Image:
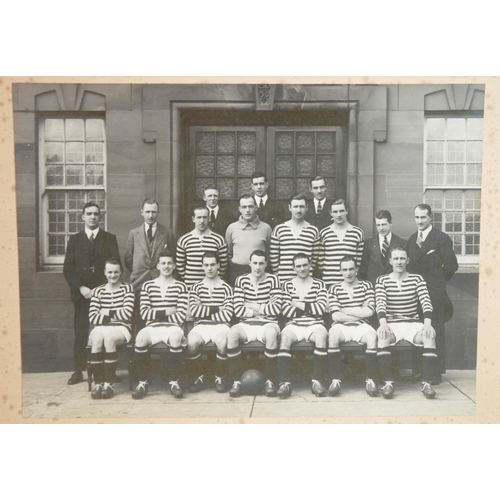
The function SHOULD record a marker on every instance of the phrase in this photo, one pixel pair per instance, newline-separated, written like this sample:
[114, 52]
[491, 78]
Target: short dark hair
[348, 258]
[113, 262]
[400, 248]
[210, 255]
[244, 196]
[258, 253]
[339, 201]
[384, 214]
[298, 197]
[201, 207]
[91, 204]
[150, 201]
[301, 255]
[258, 174]
[166, 253]
[424, 206]
[317, 178]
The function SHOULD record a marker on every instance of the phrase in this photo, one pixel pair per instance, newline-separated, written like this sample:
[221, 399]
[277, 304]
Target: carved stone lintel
[264, 96]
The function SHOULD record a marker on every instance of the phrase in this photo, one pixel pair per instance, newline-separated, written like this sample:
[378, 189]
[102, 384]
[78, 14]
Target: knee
[233, 338]
[175, 338]
[333, 338]
[96, 341]
[320, 338]
[142, 339]
[286, 340]
[371, 340]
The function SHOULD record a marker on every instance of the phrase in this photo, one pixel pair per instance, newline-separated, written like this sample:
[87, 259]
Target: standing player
[111, 308]
[257, 304]
[397, 296]
[293, 236]
[432, 256]
[339, 240]
[244, 236]
[352, 303]
[269, 211]
[163, 308]
[194, 244]
[211, 304]
[304, 303]
[83, 270]
[219, 217]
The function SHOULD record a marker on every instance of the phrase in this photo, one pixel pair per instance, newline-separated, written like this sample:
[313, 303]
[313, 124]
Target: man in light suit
[377, 250]
[319, 210]
[219, 217]
[83, 270]
[144, 245]
[432, 256]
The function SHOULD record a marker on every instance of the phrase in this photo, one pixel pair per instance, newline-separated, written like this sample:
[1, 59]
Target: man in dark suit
[377, 250]
[432, 256]
[144, 245]
[83, 269]
[219, 217]
[269, 211]
[319, 211]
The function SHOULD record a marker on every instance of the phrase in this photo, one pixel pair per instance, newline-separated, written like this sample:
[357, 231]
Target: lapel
[161, 234]
[427, 243]
[141, 238]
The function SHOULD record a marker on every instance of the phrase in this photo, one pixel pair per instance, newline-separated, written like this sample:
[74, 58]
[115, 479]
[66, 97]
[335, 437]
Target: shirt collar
[381, 238]
[216, 210]
[426, 232]
[264, 199]
[88, 232]
[254, 224]
[154, 226]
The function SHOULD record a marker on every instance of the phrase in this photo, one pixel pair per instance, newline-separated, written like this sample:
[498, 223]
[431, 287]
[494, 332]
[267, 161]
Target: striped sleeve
[272, 307]
[198, 310]
[369, 295]
[125, 311]
[180, 260]
[380, 298]
[316, 250]
[223, 257]
[424, 297]
[179, 316]
[120, 304]
[95, 307]
[225, 313]
[333, 301]
[240, 311]
[288, 310]
[319, 303]
[274, 250]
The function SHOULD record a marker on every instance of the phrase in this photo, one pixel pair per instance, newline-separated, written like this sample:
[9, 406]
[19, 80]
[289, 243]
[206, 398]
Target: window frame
[471, 261]
[46, 261]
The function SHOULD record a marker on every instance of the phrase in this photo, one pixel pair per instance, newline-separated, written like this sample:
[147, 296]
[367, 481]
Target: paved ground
[47, 395]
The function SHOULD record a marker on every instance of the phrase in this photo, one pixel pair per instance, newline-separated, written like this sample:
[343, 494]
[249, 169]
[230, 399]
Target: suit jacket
[435, 261]
[78, 270]
[224, 218]
[324, 219]
[139, 260]
[372, 264]
[273, 213]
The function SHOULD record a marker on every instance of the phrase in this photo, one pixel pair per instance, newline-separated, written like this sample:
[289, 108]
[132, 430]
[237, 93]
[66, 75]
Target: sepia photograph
[227, 251]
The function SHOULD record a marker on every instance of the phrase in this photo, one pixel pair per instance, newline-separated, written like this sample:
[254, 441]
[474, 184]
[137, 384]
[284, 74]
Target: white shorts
[107, 329]
[353, 333]
[159, 334]
[256, 332]
[405, 331]
[303, 332]
[209, 332]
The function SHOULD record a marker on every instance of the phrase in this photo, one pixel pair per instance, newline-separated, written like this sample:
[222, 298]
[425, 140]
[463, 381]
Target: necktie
[261, 204]
[91, 238]
[420, 238]
[385, 247]
[319, 208]
[212, 218]
[150, 233]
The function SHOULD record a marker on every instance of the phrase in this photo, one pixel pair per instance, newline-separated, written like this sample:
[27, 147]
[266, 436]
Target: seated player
[257, 303]
[396, 299]
[211, 305]
[111, 309]
[304, 302]
[163, 308]
[352, 303]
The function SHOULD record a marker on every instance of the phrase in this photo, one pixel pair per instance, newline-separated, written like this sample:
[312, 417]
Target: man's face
[150, 213]
[338, 213]
[399, 260]
[166, 266]
[200, 219]
[349, 271]
[422, 218]
[112, 272]
[210, 267]
[91, 217]
[298, 209]
[211, 197]
[259, 186]
[318, 189]
[258, 265]
[247, 209]
[383, 226]
[302, 267]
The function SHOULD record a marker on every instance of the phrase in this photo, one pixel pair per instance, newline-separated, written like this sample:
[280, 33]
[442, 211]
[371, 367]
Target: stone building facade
[379, 146]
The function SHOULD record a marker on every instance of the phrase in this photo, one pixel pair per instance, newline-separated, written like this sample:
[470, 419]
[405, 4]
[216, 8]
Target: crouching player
[397, 296]
[304, 302]
[163, 308]
[257, 303]
[111, 309]
[211, 305]
[351, 303]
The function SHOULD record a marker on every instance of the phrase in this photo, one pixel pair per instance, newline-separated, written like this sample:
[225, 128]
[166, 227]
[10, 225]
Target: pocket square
[430, 251]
